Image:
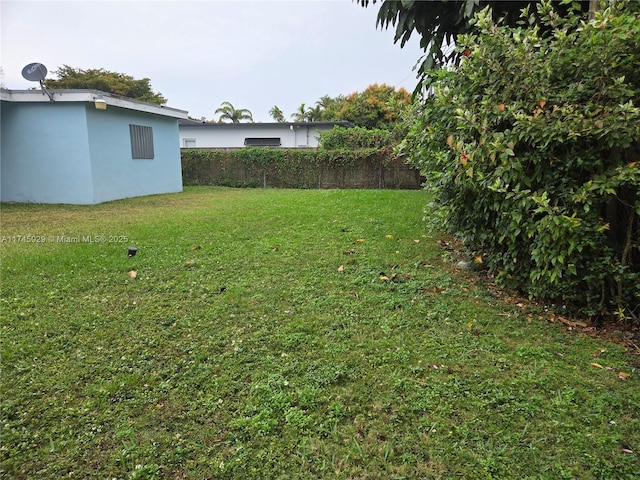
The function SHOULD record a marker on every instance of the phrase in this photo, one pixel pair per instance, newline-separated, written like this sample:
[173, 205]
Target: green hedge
[297, 168]
[531, 147]
[340, 138]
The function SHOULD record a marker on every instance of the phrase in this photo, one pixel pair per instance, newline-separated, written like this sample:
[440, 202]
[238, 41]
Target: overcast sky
[198, 54]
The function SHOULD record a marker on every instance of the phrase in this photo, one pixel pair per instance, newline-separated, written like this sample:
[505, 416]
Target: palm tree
[325, 101]
[314, 114]
[228, 112]
[277, 114]
[302, 114]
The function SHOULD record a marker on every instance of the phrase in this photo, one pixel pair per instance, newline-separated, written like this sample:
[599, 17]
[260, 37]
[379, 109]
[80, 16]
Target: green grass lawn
[288, 334]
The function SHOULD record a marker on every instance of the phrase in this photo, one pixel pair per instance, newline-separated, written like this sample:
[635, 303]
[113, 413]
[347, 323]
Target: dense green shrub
[353, 138]
[531, 147]
[346, 145]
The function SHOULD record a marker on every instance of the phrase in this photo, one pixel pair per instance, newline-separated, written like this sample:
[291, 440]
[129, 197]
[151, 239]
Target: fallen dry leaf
[627, 450]
[341, 268]
[597, 365]
[197, 247]
[623, 375]
[133, 273]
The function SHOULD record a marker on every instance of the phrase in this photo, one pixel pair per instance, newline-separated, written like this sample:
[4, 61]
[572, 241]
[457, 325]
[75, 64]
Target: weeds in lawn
[241, 349]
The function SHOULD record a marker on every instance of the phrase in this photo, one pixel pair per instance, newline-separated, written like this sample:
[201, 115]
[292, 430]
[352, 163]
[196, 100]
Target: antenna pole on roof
[44, 90]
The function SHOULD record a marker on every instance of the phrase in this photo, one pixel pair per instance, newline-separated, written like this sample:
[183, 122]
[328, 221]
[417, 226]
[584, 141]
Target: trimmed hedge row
[298, 168]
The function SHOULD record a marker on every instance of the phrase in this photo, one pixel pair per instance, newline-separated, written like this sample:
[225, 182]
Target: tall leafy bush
[530, 146]
[357, 137]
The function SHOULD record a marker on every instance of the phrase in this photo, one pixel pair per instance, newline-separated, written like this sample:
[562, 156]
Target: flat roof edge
[80, 95]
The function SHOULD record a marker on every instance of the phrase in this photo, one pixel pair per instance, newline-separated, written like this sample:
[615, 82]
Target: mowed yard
[288, 334]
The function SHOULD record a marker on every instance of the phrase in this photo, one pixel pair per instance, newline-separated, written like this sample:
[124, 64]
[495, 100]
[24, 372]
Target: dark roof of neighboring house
[196, 123]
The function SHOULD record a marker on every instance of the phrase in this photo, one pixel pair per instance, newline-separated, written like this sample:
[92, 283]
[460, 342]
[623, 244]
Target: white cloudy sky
[255, 54]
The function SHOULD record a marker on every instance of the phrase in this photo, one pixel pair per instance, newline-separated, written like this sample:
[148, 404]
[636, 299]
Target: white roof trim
[90, 96]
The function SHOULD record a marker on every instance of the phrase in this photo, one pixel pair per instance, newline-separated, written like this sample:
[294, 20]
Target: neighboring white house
[195, 134]
[86, 147]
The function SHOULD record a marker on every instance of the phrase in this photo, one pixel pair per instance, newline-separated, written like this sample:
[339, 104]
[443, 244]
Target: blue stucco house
[86, 147]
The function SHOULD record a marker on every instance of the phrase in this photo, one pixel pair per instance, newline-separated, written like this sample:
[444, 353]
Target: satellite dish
[34, 72]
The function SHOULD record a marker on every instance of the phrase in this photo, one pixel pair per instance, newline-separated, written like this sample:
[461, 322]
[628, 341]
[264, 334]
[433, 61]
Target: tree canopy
[105, 81]
[378, 106]
[438, 22]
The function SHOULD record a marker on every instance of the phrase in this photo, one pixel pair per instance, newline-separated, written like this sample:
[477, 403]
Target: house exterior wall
[233, 135]
[45, 154]
[70, 152]
[115, 174]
